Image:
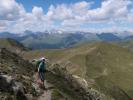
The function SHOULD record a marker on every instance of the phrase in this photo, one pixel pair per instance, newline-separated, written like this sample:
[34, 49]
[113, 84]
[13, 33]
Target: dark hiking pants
[42, 76]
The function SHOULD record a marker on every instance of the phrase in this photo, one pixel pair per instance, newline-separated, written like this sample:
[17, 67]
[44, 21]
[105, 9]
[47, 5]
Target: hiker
[41, 69]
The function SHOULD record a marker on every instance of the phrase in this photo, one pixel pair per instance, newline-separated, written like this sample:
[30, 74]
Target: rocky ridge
[17, 82]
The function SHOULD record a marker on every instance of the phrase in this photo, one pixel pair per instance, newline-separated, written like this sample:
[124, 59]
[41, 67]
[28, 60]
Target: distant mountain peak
[108, 37]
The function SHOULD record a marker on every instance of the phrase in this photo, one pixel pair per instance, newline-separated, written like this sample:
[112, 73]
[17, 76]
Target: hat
[42, 58]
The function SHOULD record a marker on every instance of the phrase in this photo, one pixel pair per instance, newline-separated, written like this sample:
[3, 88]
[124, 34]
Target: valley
[66, 49]
[105, 67]
[103, 64]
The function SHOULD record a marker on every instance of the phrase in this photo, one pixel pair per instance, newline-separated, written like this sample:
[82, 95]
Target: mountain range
[56, 39]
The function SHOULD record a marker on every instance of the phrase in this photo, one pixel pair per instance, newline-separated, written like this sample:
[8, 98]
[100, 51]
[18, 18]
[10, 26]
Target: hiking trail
[46, 94]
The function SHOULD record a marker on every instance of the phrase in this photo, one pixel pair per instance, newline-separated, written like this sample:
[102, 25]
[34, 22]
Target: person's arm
[45, 65]
[39, 66]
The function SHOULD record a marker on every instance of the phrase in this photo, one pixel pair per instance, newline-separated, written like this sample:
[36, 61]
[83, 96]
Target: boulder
[81, 82]
[6, 83]
[9, 85]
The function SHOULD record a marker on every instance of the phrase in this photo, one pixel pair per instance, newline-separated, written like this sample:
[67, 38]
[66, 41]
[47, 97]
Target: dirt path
[46, 95]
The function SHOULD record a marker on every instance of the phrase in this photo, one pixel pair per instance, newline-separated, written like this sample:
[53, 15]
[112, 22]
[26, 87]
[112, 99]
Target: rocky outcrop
[15, 76]
[17, 81]
[9, 85]
[78, 85]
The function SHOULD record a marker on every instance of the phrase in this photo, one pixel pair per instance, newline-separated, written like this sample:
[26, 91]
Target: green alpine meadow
[66, 49]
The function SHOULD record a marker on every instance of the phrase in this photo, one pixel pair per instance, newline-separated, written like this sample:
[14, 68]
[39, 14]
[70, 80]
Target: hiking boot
[44, 88]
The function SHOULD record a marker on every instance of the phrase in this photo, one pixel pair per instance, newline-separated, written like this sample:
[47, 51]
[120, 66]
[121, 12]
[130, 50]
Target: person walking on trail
[41, 69]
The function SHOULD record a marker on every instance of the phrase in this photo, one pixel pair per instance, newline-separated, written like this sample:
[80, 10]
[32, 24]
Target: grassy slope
[111, 67]
[22, 71]
[11, 44]
[126, 44]
[63, 56]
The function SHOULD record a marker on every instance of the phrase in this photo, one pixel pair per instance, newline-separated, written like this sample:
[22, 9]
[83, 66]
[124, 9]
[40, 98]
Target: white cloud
[110, 9]
[130, 15]
[38, 12]
[32, 21]
[14, 18]
[10, 10]
[60, 12]
[65, 12]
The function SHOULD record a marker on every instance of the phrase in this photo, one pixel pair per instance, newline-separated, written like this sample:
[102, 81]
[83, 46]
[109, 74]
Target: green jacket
[41, 65]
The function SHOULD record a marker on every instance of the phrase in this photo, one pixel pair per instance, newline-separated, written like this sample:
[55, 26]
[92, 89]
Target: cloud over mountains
[111, 15]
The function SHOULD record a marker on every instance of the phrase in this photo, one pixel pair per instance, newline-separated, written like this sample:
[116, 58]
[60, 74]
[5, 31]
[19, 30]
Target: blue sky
[66, 15]
[29, 4]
